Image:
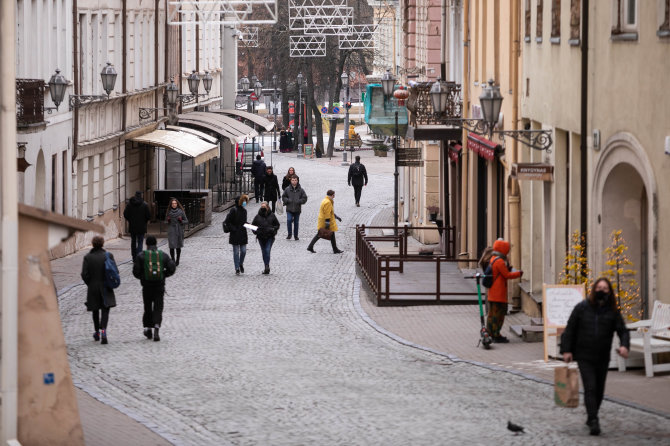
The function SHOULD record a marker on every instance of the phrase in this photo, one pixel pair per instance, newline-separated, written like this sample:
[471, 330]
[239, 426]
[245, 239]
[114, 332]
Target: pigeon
[515, 428]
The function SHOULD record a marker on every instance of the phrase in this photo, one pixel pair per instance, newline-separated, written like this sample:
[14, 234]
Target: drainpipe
[466, 106]
[76, 87]
[443, 44]
[583, 120]
[156, 58]
[10, 224]
[514, 197]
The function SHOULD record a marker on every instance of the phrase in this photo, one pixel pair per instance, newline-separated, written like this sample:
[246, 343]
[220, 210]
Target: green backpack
[153, 266]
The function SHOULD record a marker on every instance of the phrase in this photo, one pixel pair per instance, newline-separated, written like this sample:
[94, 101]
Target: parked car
[246, 153]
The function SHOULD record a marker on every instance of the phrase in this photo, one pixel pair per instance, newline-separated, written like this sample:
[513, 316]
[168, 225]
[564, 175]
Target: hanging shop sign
[409, 157]
[454, 151]
[482, 146]
[533, 171]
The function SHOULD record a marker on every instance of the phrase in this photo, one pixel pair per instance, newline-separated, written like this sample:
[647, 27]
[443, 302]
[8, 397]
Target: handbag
[566, 386]
[279, 207]
[325, 234]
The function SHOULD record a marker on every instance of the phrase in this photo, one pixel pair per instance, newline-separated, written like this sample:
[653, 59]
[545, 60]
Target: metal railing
[193, 207]
[29, 101]
[235, 183]
[377, 267]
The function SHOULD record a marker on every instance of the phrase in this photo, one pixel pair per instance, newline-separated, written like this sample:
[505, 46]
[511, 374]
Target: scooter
[485, 338]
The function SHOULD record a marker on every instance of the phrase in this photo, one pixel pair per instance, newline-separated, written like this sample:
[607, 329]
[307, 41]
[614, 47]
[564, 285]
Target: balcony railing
[421, 107]
[29, 101]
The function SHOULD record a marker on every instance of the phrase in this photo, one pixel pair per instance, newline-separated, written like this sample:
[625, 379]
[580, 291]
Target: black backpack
[488, 274]
[356, 170]
[112, 278]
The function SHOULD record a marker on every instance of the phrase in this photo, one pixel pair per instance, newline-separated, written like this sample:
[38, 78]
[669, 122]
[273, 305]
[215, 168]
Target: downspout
[10, 224]
[443, 45]
[124, 13]
[514, 197]
[583, 119]
[75, 76]
[156, 59]
[443, 146]
[465, 108]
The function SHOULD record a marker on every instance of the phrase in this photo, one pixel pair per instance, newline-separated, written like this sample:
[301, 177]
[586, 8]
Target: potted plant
[380, 150]
[432, 210]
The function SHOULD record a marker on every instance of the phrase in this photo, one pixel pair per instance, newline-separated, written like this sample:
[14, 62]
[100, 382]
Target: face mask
[244, 204]
[263, 211]
[601, 296]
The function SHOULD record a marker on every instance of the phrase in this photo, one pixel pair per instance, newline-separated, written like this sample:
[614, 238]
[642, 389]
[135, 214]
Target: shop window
[575, 21]
[538, 25]
[624, 20]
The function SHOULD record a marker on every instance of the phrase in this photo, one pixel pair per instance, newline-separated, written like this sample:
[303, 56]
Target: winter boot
[148, 333]
[156, 336]
[103, 336]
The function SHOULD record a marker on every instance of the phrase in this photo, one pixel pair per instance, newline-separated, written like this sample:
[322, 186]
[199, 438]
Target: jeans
[239, 252]
[136, 241]
[593, 378]
[266, 247]
[153, 306]
[357, 193]
[259, 188]
[292, 222]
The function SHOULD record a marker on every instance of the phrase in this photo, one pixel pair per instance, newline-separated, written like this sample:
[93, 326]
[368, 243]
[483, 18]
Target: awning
[182, 143]
[454, 151]
[258, 120]
[198, 133]
[482, 146]
[223, 125]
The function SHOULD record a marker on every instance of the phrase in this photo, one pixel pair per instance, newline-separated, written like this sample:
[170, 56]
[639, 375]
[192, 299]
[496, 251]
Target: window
[555, 21]
[664, 29]
[625, 19]
[575, 21]
[538, 27]
[527, 18]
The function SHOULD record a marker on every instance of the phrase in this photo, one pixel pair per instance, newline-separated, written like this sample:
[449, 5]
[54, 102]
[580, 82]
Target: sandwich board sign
[558, 302]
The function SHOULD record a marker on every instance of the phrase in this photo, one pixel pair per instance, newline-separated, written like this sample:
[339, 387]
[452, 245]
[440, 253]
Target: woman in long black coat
[234, 222]
[176, 219]
[99, 298]
[272, 191]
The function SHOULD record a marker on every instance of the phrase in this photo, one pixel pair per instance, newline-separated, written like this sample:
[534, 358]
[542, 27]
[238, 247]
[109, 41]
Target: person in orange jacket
[497, 297]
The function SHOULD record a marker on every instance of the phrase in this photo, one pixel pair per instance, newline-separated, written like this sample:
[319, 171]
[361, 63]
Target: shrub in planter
[380, 149]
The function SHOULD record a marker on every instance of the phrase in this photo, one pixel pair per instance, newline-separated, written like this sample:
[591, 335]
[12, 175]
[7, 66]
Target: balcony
[29, 102]
[424, 123]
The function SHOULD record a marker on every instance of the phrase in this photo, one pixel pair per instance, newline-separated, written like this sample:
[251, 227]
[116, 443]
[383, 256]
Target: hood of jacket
[136, 201]
[501, 246]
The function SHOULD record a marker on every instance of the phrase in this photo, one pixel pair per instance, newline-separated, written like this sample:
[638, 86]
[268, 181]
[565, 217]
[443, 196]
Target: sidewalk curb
[356, 297]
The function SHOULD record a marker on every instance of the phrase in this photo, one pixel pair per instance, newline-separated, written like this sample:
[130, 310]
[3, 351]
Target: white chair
[655, 338]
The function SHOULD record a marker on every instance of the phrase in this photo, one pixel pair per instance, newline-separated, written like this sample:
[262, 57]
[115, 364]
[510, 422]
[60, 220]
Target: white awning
[198, 133]
[182, 143]
[225, 126]
[258, 120]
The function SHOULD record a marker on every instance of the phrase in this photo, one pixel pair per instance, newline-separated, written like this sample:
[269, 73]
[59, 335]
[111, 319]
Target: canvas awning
[223, 125]
[266, 124]
[182, 143]
[198, 133]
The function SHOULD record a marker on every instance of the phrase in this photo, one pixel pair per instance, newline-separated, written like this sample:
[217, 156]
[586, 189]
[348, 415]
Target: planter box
[382, 153]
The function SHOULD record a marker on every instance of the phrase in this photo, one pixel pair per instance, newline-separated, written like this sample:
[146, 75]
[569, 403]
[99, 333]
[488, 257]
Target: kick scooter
[485, 338]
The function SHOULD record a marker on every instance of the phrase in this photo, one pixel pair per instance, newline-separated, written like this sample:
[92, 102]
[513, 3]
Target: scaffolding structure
[307, 46]
[222, 12]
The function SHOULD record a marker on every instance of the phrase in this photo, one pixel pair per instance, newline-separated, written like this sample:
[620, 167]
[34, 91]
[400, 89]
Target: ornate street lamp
[275, 79]
[172, 93]
[244, 84]
[258, 89]
[491, 102]
[300, 138]
[207, 82]
[388, 83]
[439, 95]
[108, 77]
[193, 82]
[57, 86]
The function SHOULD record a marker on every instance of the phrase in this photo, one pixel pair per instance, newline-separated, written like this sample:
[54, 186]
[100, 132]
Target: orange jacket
[498, 291]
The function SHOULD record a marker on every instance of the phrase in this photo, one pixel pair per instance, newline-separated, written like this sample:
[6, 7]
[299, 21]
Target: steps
[529, 333]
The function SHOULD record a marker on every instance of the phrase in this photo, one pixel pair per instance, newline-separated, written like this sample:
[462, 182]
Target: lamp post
[274, 113]
[345, 84]
[258, 91]
[58, 85]
[299, 109]
[388, 85]
[244, 85]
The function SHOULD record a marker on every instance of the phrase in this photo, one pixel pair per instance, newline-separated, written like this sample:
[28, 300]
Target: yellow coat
[326, 211]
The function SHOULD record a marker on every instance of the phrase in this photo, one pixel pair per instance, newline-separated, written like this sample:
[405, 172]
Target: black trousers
[100, 324]
[136, 241]
[316, 239]
[593, 379]
[259, 188]
[357, 193]
[153, 306]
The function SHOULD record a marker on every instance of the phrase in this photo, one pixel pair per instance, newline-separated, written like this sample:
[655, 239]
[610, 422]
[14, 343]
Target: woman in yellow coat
[326, 220]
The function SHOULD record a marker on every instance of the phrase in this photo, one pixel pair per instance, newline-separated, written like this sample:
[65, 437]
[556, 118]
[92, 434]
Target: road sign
[324, 109]
[253, 97]
[336, 110]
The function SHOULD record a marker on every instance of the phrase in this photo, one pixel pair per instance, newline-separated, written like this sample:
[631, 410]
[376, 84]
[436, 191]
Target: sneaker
[96, 336]
[289, 237]
[594, 427]
[103, 337]
[156, 336]
[310, 249]
[501, 340]
[358, 205]
[339, 251]
[296, 238]
[266, 270]
[237, 272]
[148, 333]
[242, 269]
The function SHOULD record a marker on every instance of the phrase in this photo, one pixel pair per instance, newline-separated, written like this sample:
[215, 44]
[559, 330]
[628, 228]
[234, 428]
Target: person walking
[258, 171]
[137, 214]
[588, 340]
[267, 227]
[293, 197]
[326, 220]
[152, 266]
[284, 145]
[99, 298]
[272, 191]
[358, 177]
[497, 296]
[286, 181]
[234, 223]
[176, 219]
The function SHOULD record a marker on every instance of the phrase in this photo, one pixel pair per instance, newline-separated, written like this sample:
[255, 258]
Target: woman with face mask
[268, 225]
[588, 340]
[234, 222]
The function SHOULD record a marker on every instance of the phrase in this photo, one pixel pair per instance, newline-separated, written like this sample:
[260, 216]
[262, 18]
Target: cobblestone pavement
[286, 359]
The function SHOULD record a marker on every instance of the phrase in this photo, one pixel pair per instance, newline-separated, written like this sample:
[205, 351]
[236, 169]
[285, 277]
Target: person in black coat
[137, 214]
[258, 172]
[234, 223]
[284, 145]
[272, 191]
[588, 340]
[153, 290]
[358, 177]
[268, 225]
[99, 298]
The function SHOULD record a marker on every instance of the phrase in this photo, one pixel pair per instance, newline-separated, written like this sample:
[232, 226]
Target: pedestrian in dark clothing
[137, 213]
[235, 221]
[176, 219]
[99, 298]
[326, 220]
[286, 181]
[290, 140]
[272, 191]
[268, 225]
[293, 197]
[152, 267]
[588, 340]
[284, 145]
[258, 171]
[358, 177]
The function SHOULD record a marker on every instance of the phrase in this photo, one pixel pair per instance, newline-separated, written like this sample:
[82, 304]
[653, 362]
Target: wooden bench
[654, 338]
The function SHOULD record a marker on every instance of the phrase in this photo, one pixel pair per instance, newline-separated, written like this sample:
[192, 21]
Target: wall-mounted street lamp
[172, 96]
[108, 77]
[388, 85]
[57, 86]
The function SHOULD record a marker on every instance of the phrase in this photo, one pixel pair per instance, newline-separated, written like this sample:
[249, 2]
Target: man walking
[293, 197]
[326, 224]
[152, 267]
[137, 214]
[358, 176]
[258, 171]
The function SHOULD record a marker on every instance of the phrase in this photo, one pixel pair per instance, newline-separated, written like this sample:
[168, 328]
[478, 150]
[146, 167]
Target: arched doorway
[40, 180]
[623, 197]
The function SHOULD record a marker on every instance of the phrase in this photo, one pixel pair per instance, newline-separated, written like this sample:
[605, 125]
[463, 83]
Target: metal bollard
[344, 158]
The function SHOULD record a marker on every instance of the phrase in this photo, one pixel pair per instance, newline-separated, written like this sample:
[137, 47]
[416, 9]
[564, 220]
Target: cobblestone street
[287, 359]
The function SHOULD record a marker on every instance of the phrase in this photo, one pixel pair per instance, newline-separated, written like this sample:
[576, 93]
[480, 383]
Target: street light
[301, 140]
[388, 85]
[244, 84]
[57, 86]
[274, 112]
[172, 93]
[193, 82]
[108, 78]
[439, 94]
[345, 84]
[207, 81]
[258, 91]
[491, 102]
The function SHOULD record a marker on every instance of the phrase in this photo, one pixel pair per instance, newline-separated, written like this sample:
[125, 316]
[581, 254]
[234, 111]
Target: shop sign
[454, 151]
[482, 146]
[533, 171]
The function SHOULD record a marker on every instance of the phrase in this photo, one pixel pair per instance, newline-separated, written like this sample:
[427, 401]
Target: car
[246, 152]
